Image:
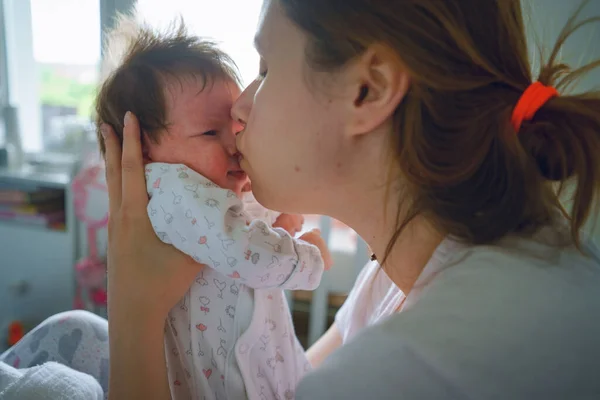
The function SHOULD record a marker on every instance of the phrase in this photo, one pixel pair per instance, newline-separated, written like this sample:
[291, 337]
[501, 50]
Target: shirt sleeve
[209, 224]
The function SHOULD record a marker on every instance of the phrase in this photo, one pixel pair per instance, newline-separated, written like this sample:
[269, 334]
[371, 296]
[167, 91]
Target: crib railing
[339, 279]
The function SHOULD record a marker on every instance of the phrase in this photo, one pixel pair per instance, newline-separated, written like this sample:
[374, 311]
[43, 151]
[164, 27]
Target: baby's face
[201, 131]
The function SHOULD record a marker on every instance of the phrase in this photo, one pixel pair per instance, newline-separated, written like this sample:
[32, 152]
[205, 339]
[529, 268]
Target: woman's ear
[379, 83]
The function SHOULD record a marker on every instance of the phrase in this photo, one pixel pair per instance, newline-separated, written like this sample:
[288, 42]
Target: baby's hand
[292, 223]
[314, 237]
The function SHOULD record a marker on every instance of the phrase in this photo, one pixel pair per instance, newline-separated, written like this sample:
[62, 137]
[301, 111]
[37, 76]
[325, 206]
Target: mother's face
[293, 139]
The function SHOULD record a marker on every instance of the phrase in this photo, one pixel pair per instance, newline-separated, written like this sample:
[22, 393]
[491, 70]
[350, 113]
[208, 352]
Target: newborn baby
[231, 336]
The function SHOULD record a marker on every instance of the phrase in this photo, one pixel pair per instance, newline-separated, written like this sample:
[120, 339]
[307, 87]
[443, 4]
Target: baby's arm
[208, 223]
[292, 223]
[255, 210]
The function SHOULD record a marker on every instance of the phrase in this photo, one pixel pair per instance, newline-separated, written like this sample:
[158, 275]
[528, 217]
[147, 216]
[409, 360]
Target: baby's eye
[210, 133]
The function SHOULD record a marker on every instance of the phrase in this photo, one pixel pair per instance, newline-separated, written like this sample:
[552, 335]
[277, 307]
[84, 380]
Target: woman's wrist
[137, 356]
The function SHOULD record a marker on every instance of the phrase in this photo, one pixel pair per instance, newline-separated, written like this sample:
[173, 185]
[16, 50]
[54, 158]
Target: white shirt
[375, 297]
[232, 336]
[515, 320]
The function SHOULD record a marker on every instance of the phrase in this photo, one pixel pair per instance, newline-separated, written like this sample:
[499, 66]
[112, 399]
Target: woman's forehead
[273, 28]
[261, 38]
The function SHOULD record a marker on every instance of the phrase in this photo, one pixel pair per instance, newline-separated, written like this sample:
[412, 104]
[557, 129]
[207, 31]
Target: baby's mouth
[237, 174]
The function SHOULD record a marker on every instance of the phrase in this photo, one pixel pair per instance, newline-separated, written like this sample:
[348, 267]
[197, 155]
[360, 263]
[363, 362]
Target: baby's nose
[238, 126]
[237, 156]
[231, 146]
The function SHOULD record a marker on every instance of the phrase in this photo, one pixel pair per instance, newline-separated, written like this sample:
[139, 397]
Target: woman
[416, 123]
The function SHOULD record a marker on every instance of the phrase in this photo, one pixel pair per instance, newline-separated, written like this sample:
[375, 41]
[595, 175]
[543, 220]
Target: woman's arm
[137, 357]
[327, 344]
[146, 277]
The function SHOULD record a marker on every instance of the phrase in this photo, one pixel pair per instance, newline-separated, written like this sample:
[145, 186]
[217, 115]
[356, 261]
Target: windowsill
[52, 159]
[49, 172]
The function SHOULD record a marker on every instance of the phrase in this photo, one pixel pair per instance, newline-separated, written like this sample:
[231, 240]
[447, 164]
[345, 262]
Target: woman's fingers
[135, 196]
[113, 167]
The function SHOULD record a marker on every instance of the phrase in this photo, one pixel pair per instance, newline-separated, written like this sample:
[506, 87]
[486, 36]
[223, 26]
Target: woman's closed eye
[262, 74]
[210, 133]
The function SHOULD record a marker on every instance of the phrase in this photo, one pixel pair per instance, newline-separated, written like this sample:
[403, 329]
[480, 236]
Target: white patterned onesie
[232, 336]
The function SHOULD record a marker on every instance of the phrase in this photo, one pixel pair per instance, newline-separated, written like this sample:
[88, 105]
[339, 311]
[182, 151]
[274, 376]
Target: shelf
[33, 227]
[34, 253]
[33, 176]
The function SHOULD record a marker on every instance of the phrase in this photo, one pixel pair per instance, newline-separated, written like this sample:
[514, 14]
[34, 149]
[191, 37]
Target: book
[35, 197]
[40, 208]
[34, 219]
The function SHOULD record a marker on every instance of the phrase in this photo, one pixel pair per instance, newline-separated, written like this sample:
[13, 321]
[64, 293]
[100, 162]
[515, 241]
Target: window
[66, 50]
[54, 49]
[232, 23]
[3, 66]
[53, 52]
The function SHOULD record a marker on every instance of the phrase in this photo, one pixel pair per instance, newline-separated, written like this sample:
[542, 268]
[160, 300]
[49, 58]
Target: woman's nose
[243, 105]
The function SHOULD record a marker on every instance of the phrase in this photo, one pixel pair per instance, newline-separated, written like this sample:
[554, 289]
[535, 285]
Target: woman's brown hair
[468, 171]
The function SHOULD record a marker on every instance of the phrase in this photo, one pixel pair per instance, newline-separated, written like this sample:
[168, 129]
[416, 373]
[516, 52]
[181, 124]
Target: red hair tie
[532, 99]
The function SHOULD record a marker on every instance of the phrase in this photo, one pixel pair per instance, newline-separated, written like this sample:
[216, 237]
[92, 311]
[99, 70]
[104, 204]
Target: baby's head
[181, 88]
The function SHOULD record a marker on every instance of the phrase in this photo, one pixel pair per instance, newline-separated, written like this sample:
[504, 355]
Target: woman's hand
[146, 277]
[144, 273]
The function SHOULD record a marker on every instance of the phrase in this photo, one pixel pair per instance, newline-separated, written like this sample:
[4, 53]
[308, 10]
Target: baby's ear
[146, 157]
[145, 149]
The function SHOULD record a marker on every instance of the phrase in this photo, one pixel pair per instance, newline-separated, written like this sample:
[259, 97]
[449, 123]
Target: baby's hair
[139, 60]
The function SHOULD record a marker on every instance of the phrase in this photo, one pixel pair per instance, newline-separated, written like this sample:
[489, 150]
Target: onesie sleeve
[209, 224]
[255, 210]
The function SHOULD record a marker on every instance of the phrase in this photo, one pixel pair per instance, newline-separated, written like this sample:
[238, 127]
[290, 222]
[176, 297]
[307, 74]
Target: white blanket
[47, 381]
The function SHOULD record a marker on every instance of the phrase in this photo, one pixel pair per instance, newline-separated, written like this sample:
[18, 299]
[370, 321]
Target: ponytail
[563, 138]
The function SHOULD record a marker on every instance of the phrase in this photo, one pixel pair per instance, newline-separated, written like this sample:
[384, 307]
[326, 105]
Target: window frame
[4, 85]
[18, 68]
[21, 70]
